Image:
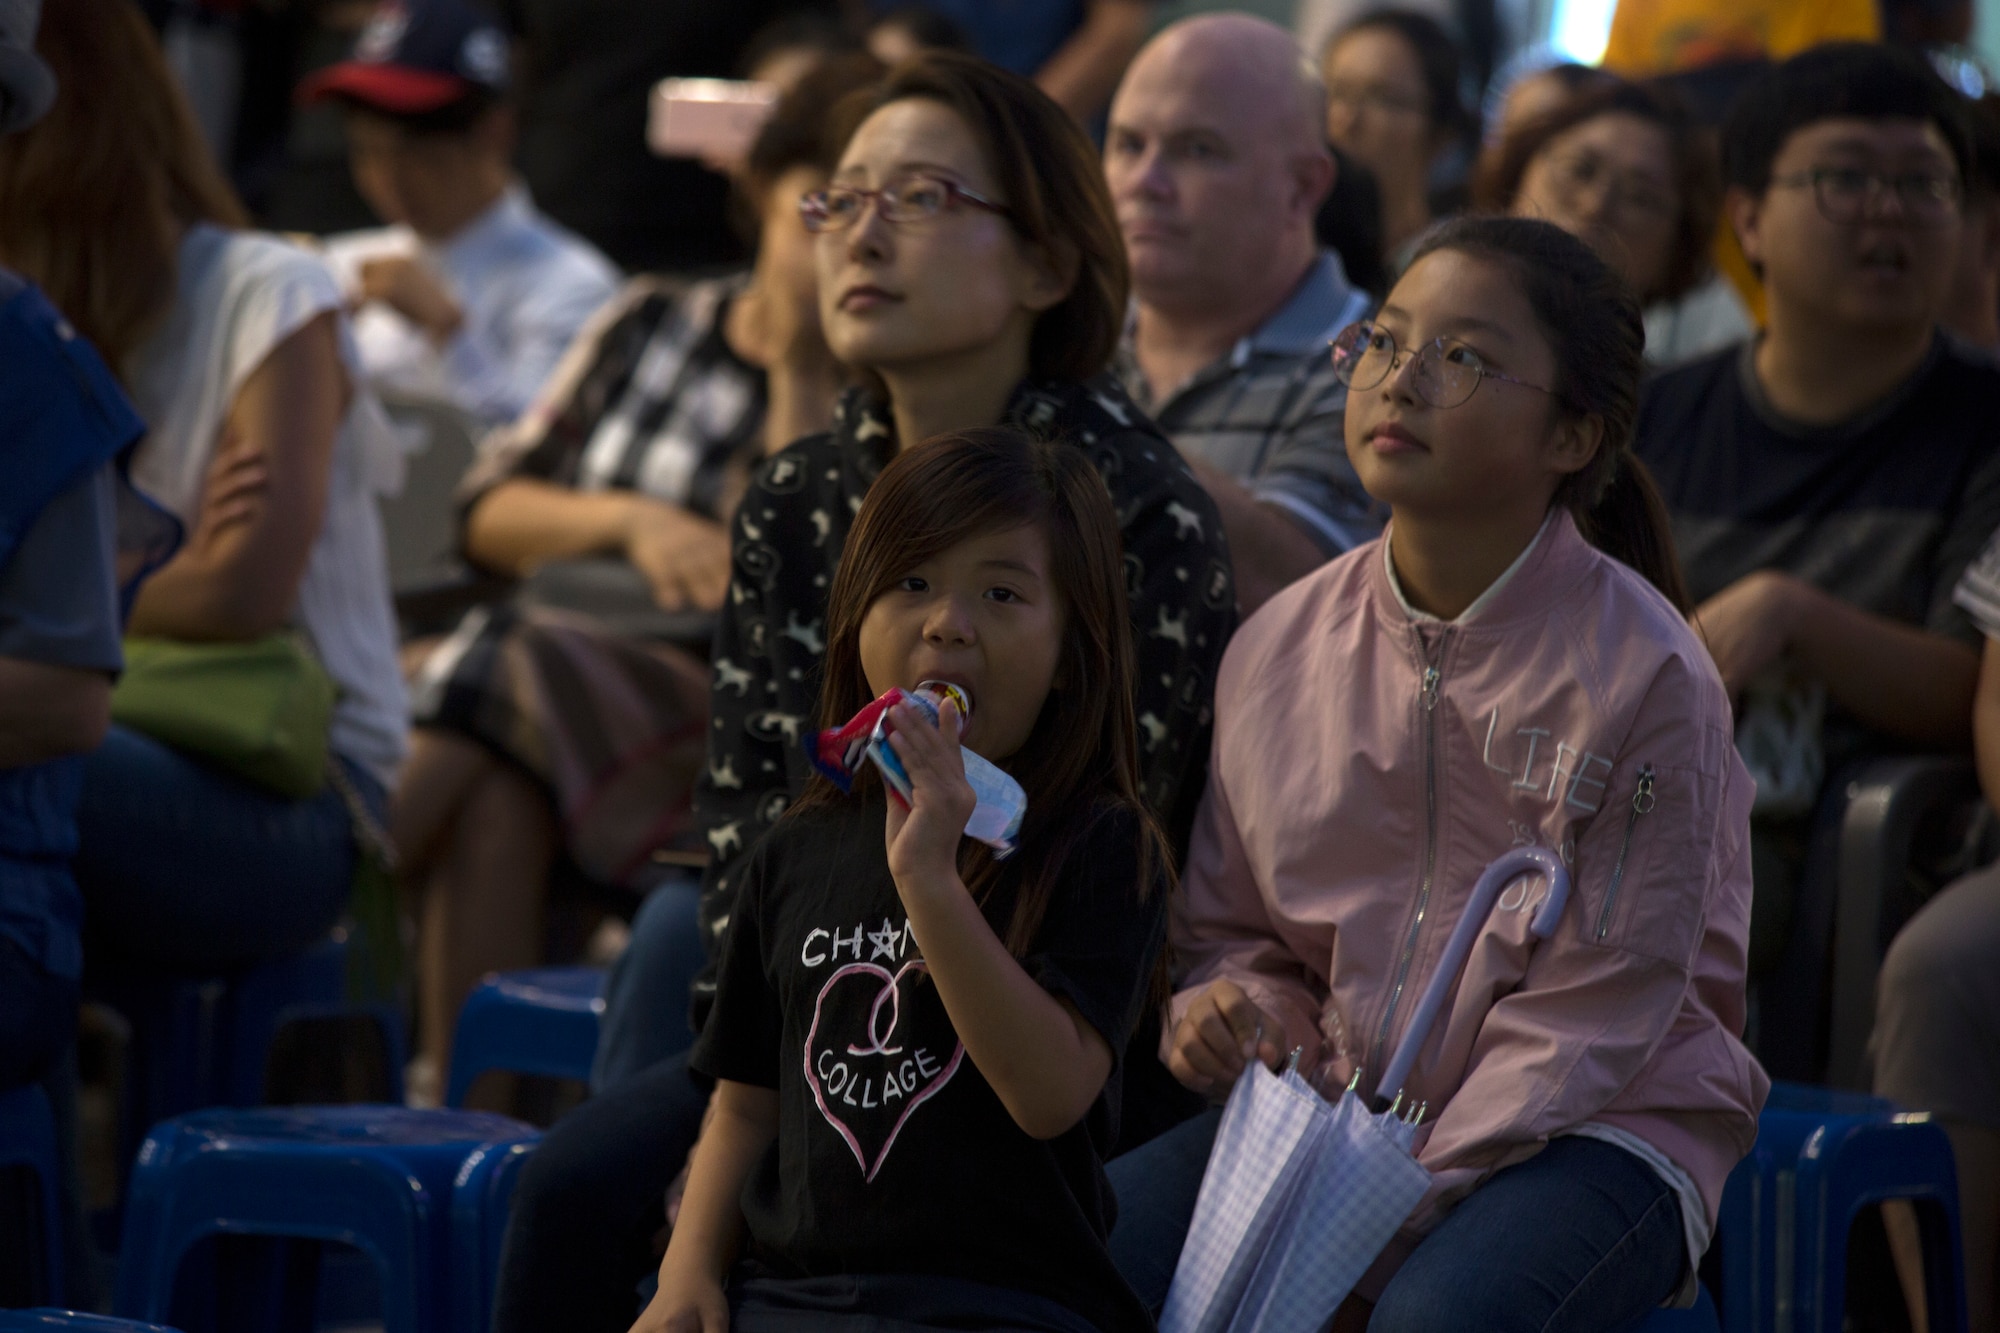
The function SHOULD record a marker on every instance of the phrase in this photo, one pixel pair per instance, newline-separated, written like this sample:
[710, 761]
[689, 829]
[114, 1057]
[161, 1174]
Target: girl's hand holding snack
[923, 840]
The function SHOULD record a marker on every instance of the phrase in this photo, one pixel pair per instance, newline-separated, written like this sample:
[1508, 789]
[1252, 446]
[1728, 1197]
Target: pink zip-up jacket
[1367, 767]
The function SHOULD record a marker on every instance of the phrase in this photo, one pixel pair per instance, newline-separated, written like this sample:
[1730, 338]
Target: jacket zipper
[1642, 804]
[1432, 679]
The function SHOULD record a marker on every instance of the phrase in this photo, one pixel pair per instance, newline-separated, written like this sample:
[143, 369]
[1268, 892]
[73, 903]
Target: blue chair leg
[1849, 1165]
[482, 1197]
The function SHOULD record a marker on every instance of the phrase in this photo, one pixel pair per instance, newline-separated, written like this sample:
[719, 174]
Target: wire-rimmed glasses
[1573, 173]
[912, 198]
[1846, 194]
[1444, 372]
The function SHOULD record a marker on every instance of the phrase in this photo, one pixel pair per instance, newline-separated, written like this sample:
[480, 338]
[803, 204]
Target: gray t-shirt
[59, 595]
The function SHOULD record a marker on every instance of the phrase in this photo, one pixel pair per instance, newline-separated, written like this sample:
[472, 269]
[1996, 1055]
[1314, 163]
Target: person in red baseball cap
[469, 296]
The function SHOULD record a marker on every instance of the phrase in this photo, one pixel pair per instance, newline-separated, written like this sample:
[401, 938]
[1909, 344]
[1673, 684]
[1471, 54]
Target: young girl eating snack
[914, 1042]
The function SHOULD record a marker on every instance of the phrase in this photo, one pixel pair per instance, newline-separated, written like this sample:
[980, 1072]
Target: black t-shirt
[587, 69]
[894, 1155]
[1884, 511]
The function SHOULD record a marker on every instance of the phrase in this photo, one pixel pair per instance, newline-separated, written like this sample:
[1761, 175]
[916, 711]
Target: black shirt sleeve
[1183, 603]
[745, 1031]
[1103, 930]
[766, 666]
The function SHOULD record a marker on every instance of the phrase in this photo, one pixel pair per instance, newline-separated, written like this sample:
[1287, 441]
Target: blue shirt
[63, 422]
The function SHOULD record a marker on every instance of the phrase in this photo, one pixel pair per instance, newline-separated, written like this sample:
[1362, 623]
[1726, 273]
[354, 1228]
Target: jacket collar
[1531, 587]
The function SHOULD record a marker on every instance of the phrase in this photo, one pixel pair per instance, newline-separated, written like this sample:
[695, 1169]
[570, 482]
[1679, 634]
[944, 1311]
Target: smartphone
[715, 120]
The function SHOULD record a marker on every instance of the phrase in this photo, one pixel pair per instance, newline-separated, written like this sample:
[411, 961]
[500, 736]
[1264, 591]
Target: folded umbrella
[1300, 1197]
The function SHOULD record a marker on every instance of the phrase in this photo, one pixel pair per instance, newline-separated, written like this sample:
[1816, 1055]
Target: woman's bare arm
[238, 576]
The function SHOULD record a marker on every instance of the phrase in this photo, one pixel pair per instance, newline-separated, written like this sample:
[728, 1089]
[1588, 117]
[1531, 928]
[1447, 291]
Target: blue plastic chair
[206, 1041]
[1820, 1158]
[41, 1321]
[28, 1138]
[416, 1191]
[543, 1021]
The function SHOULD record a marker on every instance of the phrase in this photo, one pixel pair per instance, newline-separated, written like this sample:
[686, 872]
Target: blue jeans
[590, 1199]
[646, 996]
[185, 866]
[1582, 1237]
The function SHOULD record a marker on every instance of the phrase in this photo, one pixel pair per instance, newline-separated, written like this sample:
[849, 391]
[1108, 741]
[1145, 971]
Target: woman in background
[1625, 168]
[547, 731]
[1393, 104]
[235, 351]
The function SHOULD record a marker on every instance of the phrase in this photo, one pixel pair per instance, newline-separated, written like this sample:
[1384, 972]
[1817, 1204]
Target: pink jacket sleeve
[1225, 932]
[1601, 999]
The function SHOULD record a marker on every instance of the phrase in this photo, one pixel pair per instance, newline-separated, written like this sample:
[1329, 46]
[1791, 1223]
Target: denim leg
[590, 1198]
[1156, 1184]
[38, 1044]
[646, 996]
[1583, 1237]
[186, 866]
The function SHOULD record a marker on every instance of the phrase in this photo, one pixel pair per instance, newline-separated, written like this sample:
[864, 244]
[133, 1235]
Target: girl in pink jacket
[1508, 664]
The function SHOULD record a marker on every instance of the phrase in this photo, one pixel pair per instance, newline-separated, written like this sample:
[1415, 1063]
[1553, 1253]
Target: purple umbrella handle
[1506, 868]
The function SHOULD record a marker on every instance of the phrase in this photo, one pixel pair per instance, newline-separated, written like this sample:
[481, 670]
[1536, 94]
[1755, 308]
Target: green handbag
[259, 709]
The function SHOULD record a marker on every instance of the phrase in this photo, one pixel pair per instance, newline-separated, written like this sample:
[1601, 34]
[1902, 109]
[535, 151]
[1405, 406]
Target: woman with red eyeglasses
[971, 273]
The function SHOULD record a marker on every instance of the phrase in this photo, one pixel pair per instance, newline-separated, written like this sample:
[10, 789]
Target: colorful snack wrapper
[837, 753]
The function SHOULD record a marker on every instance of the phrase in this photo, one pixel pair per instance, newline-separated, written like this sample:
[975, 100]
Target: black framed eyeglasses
[1444, 372]
[1846, 194]
[907, 199]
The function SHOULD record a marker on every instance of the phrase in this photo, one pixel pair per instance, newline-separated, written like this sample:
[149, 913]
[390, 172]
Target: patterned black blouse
[788, 535]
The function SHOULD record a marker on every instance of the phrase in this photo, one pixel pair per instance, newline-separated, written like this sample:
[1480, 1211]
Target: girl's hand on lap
[923, 840]
[1222, 1031]
[685, 1304]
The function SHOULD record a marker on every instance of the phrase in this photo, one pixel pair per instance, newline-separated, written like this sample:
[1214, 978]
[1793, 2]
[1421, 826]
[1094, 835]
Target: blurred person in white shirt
[470, 295]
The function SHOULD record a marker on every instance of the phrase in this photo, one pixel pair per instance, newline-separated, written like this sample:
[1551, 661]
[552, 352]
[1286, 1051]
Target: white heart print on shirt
[869, 1076]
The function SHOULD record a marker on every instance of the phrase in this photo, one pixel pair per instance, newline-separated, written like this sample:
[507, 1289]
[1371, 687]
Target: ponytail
[1629, 524]
[1592, 324]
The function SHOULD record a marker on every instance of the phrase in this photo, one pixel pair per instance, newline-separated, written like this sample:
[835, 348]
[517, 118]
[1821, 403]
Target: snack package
[1000, 802]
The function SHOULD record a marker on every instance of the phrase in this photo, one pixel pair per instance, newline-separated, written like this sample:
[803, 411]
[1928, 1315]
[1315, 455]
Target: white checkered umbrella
[1300, 1197]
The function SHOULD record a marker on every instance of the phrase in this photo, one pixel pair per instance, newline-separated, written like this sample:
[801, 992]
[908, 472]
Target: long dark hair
[1082, 758]
[1591, 322]
[1052, 180]
[1697, 178]
[94, 197]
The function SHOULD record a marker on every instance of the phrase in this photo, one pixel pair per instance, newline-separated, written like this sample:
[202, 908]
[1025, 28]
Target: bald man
[1217, 166]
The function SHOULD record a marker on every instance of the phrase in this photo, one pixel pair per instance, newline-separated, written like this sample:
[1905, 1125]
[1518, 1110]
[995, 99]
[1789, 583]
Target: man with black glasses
[1831, 479]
